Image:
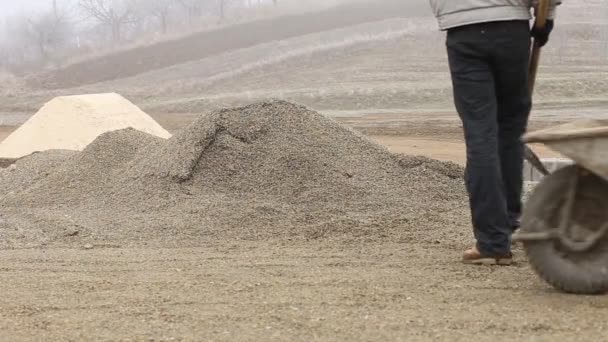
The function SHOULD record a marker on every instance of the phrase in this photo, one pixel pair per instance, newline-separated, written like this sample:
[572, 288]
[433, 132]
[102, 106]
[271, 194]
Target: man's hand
[541, 36]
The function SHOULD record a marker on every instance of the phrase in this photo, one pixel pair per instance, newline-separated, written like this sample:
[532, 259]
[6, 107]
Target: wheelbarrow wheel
[569, 271]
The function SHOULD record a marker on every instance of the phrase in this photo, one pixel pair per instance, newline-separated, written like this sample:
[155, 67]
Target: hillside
[204, 44]
[356, 58]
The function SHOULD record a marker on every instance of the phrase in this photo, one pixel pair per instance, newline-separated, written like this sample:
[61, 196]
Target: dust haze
[38, 34]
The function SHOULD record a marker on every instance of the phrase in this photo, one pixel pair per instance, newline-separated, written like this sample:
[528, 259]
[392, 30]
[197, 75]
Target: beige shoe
[474, 257]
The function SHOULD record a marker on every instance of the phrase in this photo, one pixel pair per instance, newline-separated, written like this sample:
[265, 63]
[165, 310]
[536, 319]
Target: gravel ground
[283, 291]
[268, 222]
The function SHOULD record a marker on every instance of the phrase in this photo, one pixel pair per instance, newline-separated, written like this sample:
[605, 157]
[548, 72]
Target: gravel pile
[266, 171]
[26, 171]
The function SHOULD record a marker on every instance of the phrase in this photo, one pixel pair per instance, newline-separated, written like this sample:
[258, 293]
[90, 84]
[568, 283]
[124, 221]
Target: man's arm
[541, 35]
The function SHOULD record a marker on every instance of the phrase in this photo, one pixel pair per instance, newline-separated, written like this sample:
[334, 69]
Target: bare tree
[222, 7]
[604, 38]
[221, 4]
[199, 7]
[36, 39]
[49, 32]
[194, 8]
[115, 14]
[159, 10]
[55, 9]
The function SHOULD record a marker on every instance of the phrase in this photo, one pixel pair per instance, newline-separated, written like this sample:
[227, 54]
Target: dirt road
[446, 150]
[281, 291]
[5, 131]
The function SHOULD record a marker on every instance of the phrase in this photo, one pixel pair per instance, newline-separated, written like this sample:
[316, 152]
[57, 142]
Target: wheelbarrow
[564, 226]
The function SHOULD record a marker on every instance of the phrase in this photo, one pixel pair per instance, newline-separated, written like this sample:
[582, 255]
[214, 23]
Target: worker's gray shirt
[455, 13]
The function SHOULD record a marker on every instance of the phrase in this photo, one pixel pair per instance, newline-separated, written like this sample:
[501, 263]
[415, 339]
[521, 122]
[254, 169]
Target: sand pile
[73, 122]
[266, 171]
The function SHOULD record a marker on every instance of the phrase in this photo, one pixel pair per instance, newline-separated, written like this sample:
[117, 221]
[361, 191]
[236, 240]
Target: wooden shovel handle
[542, 14]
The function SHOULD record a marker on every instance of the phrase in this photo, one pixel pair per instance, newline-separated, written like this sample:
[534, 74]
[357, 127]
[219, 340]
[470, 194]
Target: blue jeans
[489, 69]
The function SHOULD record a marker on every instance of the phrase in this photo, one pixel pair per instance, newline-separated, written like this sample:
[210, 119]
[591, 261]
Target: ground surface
[229, 290]
[287, 290]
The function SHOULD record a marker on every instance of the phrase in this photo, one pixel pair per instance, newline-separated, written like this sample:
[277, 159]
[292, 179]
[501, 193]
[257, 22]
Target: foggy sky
[14, 7]
[8, 7]
[11, 7]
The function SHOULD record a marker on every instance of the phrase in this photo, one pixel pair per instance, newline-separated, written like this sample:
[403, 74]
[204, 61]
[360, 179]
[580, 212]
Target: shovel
[542, 13]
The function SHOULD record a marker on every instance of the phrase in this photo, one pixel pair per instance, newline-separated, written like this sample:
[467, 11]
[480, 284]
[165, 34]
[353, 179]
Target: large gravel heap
[266, 171]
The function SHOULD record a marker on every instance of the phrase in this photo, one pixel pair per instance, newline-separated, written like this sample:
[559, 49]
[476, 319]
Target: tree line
[47, 37]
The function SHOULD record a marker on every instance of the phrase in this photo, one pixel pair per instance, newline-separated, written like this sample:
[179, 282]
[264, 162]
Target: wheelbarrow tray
[583, 141]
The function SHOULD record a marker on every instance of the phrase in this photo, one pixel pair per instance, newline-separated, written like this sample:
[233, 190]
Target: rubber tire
[577, 273]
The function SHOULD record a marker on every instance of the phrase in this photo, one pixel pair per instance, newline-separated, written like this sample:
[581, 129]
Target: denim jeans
[489, 69]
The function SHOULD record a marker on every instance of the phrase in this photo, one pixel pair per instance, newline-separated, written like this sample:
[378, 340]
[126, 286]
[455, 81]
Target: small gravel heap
[29, 170]
[271, 170]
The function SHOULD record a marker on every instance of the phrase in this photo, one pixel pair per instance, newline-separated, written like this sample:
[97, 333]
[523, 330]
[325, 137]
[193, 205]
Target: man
[488, 43]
